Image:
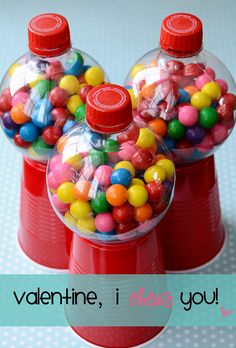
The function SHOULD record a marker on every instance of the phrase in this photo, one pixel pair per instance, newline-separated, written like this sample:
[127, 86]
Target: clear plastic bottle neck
[199, 58]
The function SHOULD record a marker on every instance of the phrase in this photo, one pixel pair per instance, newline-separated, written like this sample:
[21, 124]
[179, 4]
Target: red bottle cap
[108, 109]
[49, 35]
[181, 35]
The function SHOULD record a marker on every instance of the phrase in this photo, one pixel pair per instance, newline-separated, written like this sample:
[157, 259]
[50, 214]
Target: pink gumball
[103, 175]
[55, 161]
[127, 149]
[223, 85]
[20, 98]
[219, 133]
[62, 172]
[52, 182]
[188, 115]
[59, 205]
[104, 222]
[202, 80]
[210, 72]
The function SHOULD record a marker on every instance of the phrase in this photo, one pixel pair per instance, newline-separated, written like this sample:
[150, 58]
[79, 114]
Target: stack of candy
[111, 187]
[184, 102]
[41, 98]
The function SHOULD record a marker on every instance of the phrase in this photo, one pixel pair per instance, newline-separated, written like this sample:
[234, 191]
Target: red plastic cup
[192, 233]
[140, 256]
[42, 236]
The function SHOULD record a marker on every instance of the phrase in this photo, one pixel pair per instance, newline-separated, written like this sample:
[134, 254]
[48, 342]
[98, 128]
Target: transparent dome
[110, 186]
[41, 97]
[188, 100]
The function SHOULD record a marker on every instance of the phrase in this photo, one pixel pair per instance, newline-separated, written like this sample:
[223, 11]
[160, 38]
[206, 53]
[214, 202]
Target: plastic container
[186, 95]
[43, 94]
[114, 182]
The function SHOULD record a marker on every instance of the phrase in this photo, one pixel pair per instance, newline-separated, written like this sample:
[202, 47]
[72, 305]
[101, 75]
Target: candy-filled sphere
[105, 194]
[188, 98]
[42, 97]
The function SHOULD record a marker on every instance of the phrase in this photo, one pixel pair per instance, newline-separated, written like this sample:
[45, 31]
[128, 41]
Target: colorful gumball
[137, 195]
[124, 213]
[116, 195]
[143, 213]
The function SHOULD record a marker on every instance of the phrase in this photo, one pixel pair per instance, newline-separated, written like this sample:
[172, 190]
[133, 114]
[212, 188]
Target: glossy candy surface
[42, 98]
[109, 197]
[185, 100]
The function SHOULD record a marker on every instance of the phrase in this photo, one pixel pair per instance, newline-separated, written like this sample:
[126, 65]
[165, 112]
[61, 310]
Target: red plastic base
[42, 236]
[192, 233]
[141, 256]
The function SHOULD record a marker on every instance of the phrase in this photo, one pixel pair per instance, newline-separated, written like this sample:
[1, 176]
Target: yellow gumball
[137, 195]
[200, 100]
[146, 138]
[65, 192]
[135, 69]
[86, 225]
[75, 161]
[74, 103]
[154, 173]
[126, 165]
[94, 76]
[70, 84]
[133, 99]
[137, 181]
[12, 68]
[69, 219]
[168, 167]
[80, 209]
[212, 89]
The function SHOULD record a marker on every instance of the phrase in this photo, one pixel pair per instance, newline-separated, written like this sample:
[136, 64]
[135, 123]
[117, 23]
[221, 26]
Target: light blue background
[116, 33]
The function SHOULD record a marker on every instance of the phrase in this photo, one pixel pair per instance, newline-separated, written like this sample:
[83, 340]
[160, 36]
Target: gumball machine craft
[43, 94]
[120, 188]
[187, 96]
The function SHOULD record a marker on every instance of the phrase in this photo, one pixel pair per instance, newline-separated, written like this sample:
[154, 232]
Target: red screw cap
[49, 35]
[181, 35]
[109, 109]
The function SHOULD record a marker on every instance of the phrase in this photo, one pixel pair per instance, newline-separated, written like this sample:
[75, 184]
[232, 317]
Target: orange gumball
[81, 190]
[148, 91]
[61, 144]
[191, 89]
[116, 195]
[158, 126]
[153, 63]
[18, 114]
[160, 157]
[143, 213]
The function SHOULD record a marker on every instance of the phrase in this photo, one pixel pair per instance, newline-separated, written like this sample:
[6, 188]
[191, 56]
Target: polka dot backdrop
[12, 261]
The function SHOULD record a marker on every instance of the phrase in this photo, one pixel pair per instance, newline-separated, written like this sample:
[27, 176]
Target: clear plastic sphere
[41, 98]
[110, 187]
[190, 101]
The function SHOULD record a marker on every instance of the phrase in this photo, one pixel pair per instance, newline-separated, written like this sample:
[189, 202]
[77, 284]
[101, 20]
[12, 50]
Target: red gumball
[5, 100]
[123, 214]
[51, 135]
[225, 112]
[228, 98]
[193, 70]
[58, 97]
[20, 142]
[175, 67]
[142, 159]
[123, 228]
[84, 92]
[131, 134]
[183, 144]
[155, 190]
[159, 207]
[54, 71]
[60, 116]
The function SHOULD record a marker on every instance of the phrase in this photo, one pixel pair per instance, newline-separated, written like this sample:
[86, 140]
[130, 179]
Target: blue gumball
[29, 132]
[121, 176]
[184, 97]
[96, 140]
[10, 132]
[75, 69]
[41, 116]
[86, 67]
[68, 125]
[170, 143]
